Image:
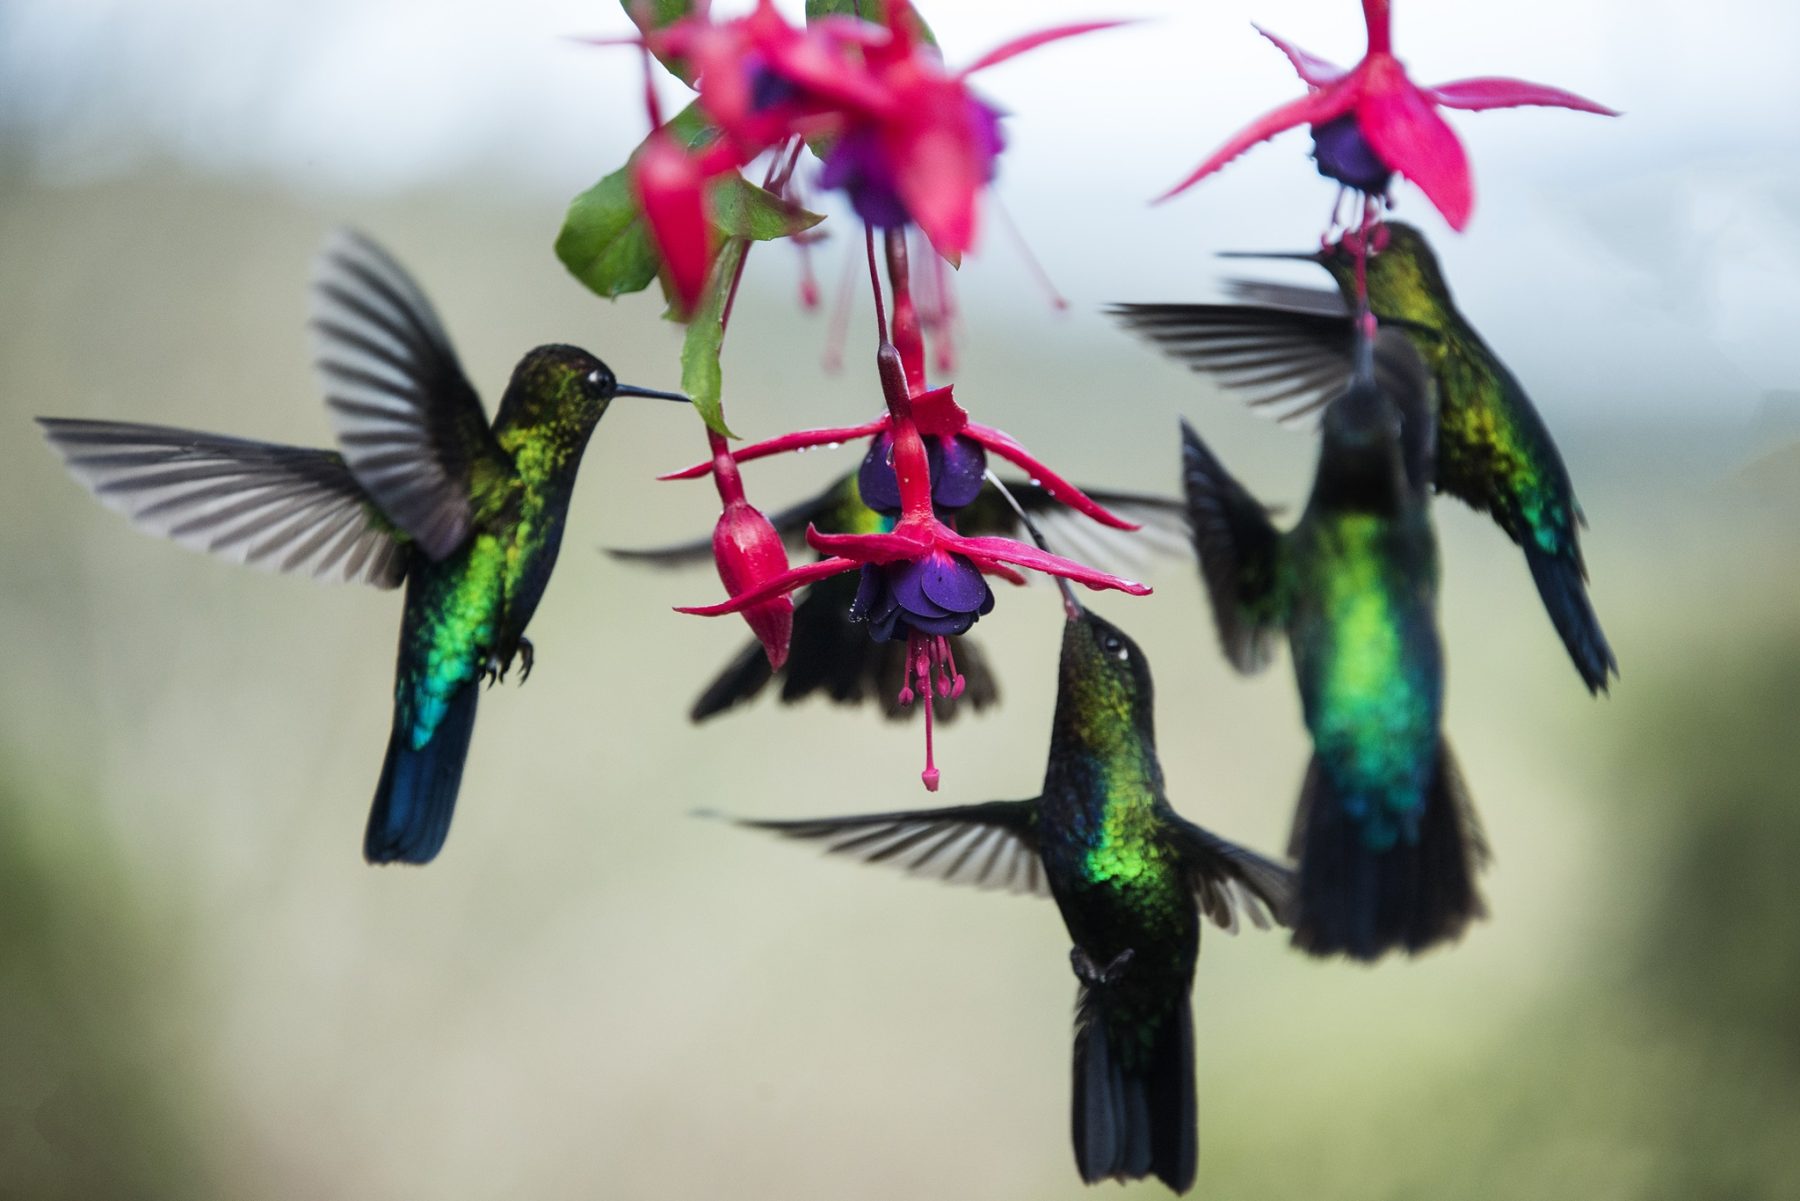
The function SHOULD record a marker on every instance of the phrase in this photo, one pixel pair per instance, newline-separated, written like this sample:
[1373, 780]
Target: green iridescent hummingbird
[1293, 346]
[1132, 878]
[833, 656]
[423, 490]
[1385, 835]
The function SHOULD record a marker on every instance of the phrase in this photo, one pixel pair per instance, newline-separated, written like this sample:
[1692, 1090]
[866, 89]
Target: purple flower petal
[957, 471]
[950, 623]
[868, 590]
[875, 479]
[858, 165]
[986, 121]
[1343, 154]
[910, 583]
[951, 582]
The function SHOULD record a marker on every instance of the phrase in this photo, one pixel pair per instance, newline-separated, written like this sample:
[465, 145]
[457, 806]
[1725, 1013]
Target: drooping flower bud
[670, 189]
[749, 552]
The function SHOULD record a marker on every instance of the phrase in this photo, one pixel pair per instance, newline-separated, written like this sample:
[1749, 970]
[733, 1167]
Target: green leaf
[606, 245]
[701, 376]
[868, 10]
[650, 15]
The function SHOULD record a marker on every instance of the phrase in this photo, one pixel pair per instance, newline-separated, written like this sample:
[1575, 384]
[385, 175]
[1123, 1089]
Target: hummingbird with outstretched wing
[1132, 879]
[1289, 349]
[423, 490]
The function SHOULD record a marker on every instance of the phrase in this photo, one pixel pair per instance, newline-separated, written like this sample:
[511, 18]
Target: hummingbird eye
[1113, 645]
[599, 377]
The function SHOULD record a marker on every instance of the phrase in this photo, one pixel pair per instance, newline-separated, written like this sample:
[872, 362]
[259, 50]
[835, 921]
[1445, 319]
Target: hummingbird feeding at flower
[833, 655]
[1294, 346]
[423, 490]
[1132, 879]
[1385, 834]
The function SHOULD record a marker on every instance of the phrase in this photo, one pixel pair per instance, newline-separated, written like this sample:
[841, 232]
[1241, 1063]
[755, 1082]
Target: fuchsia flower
[749, 553]
[907, 140]
[1371, 121]
[922, 577]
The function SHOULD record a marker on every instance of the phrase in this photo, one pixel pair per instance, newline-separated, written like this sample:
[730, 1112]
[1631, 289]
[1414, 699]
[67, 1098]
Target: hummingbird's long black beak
[1302, 256]
[1071, 605]
[652, 393]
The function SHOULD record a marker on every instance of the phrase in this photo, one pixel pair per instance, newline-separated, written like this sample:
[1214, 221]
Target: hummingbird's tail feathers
[417, 793]
[1239, 552]
[745, 676]
[282, 508]
[1360, 902]
[1134, 1112]
[1562, 584]
[1229, 880]
[991, 845]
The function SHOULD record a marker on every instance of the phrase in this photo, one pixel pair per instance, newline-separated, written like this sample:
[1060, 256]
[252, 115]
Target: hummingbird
[833, 655]
[1132, 879]
[422, 491]
[1385, 834]
[1295, 345]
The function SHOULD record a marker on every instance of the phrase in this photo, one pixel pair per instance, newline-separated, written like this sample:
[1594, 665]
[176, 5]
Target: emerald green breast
[1367, 659]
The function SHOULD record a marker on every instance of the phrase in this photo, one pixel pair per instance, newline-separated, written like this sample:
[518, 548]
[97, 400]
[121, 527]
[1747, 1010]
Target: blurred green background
[204, 992]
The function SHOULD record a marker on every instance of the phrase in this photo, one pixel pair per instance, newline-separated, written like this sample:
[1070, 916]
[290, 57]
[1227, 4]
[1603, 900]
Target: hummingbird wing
[1289, 361]
[284, 508]
[408, 420]
[1239, 550]
[1227, 878]
[991, 845]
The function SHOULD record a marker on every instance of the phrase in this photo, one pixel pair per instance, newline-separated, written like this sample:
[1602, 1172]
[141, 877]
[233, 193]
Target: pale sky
[1679, 224]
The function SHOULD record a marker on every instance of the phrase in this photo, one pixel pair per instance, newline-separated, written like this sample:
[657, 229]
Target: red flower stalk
[1372, 121]
[909, 142]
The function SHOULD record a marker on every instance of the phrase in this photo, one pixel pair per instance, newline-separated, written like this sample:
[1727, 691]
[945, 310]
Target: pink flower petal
[987, 551]
[1493, 91]
[780, 585]
[1311, 109]
[669, 187]
[1032, 41]
[1061, 490]
[872, 548]
[941, 162]
[936, 412]
[1314, 70]
[1400, 123]
[799, 440]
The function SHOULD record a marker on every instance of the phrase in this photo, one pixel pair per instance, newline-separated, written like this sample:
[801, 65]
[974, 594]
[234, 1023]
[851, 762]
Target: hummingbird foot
[1091, 973]
[495, 669]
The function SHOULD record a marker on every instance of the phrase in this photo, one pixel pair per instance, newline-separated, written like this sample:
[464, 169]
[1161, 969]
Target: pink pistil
[929, 655]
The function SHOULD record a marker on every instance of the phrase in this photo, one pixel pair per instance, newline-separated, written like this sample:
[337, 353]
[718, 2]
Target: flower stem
[881, 332]
[906, 335]
[1379, 22]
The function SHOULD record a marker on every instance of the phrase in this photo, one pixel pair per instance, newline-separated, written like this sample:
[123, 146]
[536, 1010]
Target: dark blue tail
[1134, 1110]
[1412, 895]
[417, 792]
[1562, 585]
